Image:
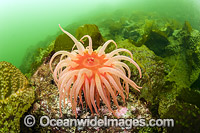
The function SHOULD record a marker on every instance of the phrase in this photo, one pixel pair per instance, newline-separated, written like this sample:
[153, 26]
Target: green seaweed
[157, 41]
[93, 31]
[34, 60]
[63, 42]
[186, 116]
[167, 79]
[187, 27]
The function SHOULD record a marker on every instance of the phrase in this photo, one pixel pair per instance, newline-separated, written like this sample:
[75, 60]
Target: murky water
[24, 25]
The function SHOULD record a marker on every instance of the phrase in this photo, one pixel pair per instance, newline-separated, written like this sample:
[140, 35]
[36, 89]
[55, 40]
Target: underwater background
[27, 25]
[163, 35]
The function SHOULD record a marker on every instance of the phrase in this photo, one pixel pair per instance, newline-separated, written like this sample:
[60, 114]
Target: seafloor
[167, 51]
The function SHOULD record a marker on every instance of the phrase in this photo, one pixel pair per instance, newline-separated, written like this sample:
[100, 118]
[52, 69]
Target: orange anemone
[94, 73]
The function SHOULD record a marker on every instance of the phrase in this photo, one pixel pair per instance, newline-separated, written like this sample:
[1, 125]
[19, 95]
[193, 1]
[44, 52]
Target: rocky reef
[168, 53]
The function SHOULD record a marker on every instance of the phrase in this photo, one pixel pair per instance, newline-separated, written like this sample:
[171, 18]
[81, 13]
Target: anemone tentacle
[116, 51]
[90, 43]
[102, 50]
[100, 91]
[121, 57]
[117, 73]
[112, 81]
[80, 47]
[109, 88]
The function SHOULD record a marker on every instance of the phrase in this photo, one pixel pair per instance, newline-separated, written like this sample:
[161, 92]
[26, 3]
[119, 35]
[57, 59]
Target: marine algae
[16, 97]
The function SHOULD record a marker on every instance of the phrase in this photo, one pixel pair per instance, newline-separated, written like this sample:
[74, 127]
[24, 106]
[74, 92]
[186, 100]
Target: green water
[24, 25]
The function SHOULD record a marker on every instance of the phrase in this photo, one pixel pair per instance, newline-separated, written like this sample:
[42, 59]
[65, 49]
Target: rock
[93, 31]
[46, 100]
[16, 97]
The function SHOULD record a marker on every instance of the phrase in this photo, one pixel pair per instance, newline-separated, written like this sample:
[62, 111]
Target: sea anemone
[97, 74]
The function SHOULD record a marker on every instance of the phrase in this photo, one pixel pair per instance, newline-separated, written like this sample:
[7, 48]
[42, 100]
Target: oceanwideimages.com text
[96, 122]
